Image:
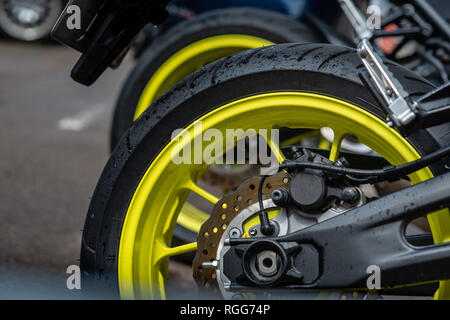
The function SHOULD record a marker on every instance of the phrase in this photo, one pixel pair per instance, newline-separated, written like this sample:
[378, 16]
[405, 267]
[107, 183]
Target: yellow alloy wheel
[153, 211]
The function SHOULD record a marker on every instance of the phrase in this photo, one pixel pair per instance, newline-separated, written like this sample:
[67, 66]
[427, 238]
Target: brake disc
[228, 177]
[224, 211]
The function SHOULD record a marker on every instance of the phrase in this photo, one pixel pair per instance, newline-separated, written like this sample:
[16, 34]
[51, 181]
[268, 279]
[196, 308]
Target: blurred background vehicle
[29, 20]
[181, 10]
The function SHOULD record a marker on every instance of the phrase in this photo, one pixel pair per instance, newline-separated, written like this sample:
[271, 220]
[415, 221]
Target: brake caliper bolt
[341, 162]
[235, 233]
[253, 232]
[280, 196]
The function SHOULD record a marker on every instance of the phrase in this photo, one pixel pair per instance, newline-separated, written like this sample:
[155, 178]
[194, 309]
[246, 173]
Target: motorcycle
[309, 225]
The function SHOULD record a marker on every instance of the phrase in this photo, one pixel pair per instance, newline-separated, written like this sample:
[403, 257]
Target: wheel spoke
[191, 217]
[276, 150]
[202, 192]
[336, 145]
[163, 251]
[323, 143]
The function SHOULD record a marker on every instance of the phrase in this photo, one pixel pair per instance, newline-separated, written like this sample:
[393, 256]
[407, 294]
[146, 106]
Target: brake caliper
[299, 199]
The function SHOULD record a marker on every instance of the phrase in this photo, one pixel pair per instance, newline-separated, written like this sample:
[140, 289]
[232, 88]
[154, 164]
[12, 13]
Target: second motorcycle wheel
[192, 44]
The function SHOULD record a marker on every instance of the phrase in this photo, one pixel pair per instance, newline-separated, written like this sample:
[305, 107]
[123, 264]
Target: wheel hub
[27, 13]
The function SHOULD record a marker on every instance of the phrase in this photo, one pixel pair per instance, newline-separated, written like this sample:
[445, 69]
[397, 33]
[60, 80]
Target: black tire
[317, 68]
[41, 19]
[268, 25]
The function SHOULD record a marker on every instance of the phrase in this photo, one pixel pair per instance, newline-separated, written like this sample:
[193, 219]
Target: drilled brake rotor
[228, 178]
[225, 210]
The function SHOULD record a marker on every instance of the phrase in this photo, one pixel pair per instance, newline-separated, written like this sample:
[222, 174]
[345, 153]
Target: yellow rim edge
[192, 58]
[150, 219]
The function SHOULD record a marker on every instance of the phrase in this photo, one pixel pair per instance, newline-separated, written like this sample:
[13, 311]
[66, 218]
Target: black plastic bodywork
[434, 107]
[107, 29]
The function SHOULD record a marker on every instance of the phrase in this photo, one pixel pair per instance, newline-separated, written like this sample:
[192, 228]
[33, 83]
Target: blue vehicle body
[181, 10]
[295, 8]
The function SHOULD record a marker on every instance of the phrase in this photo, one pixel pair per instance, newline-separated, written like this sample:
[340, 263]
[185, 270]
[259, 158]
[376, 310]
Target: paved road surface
[53, 145]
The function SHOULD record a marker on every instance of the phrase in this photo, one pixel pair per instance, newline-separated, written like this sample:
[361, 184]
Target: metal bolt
[214, 264]
[389, 92]
[280, 196]
[253, 232]
[362, 52]
[296, 152]
[408, 9]
[341, 162]
[350, 195]
[235, 233]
